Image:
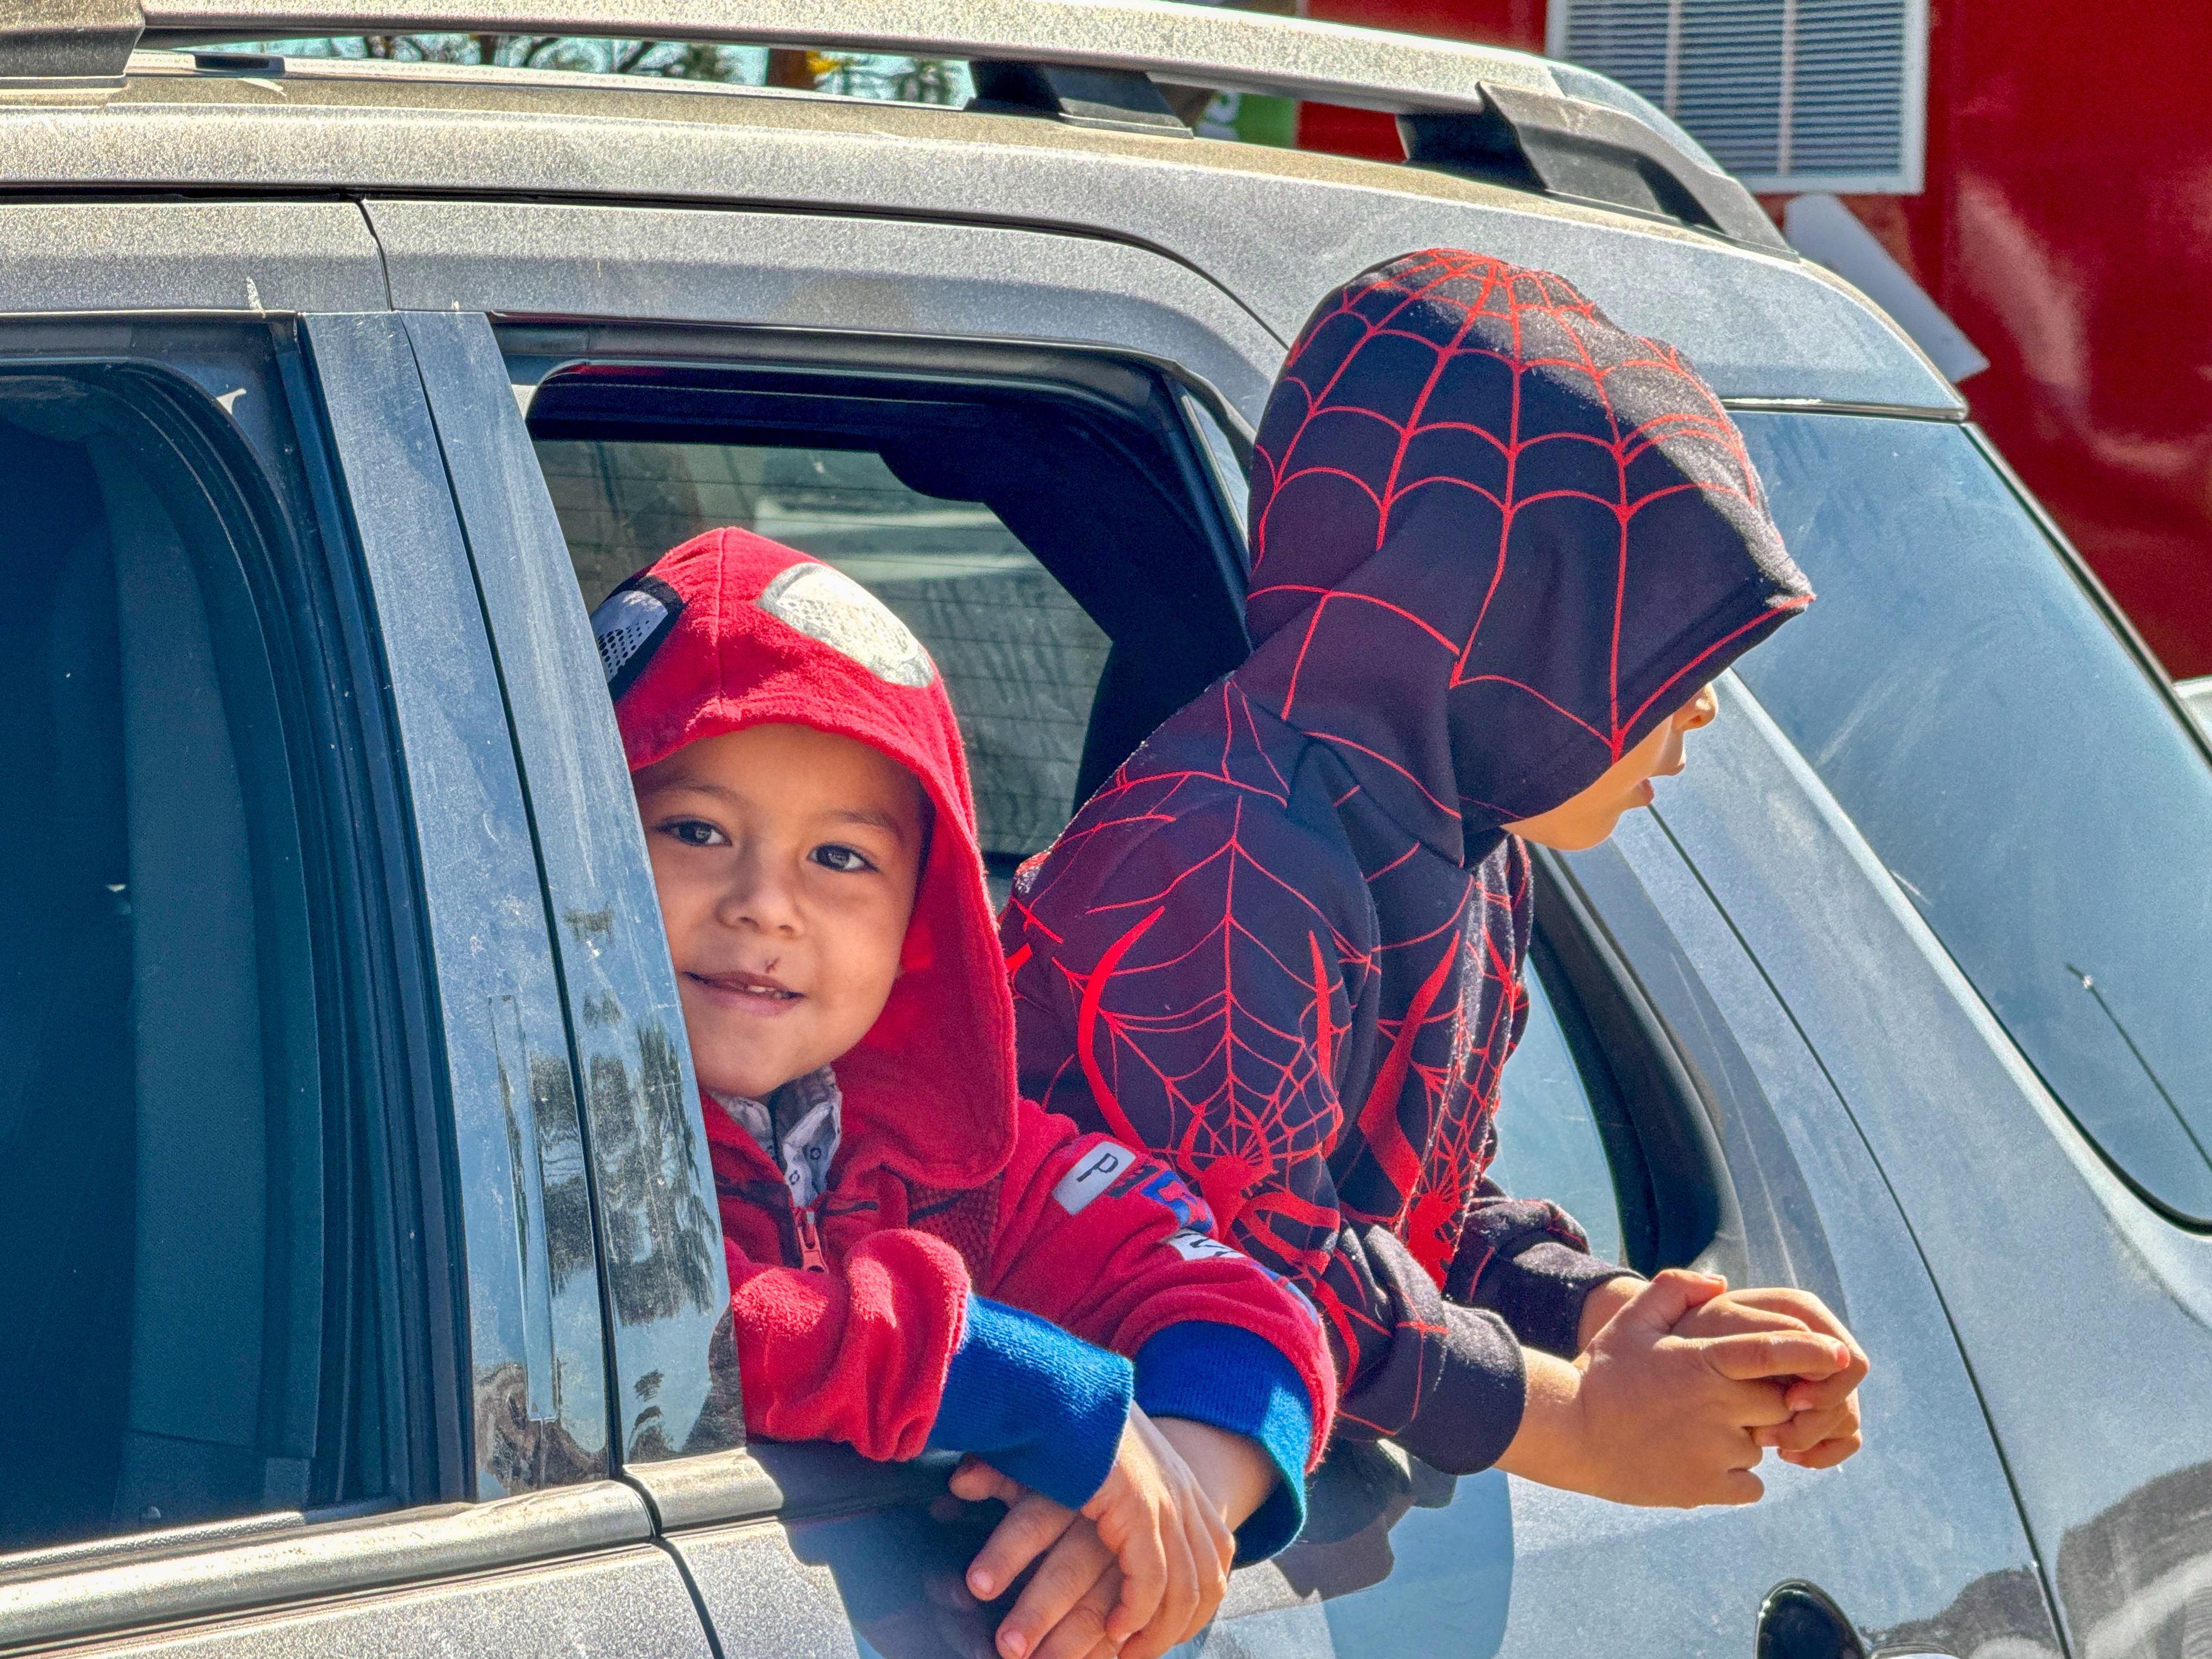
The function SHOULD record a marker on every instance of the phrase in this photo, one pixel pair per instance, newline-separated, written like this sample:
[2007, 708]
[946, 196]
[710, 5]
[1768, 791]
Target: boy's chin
[753, 1078]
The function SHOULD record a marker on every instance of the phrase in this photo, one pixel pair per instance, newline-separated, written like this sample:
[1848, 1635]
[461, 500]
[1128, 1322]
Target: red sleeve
[1109, 1244]
[858, 1355]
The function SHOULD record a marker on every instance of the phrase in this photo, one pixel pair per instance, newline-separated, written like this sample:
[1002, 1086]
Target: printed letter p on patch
[1092, 1173]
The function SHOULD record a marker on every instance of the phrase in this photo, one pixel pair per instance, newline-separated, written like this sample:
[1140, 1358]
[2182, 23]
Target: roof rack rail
[1122, 100]
[1080, 60]
[1584, 152]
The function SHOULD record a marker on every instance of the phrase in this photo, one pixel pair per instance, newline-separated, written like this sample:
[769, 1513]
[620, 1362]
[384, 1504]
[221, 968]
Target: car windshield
[2033, 791]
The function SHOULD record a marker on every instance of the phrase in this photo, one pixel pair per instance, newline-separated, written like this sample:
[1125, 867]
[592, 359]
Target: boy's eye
[834, 857]
[695, 832]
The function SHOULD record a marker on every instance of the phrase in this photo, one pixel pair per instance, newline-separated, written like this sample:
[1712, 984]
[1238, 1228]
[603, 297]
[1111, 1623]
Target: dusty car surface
[362, 1284]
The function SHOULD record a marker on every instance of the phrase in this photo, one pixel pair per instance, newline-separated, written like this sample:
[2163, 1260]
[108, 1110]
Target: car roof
[1273, 227]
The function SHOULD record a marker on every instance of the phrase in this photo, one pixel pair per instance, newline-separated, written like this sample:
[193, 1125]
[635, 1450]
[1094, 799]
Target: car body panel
[812, 271]
[1758, 326]
[187, 256]
[2014, 1212]
[371, 1586]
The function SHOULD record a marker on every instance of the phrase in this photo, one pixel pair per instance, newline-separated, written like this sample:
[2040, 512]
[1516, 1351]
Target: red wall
[2066, 226]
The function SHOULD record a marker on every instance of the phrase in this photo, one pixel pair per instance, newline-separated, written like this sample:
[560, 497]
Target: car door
[844, 434]
[304, 1315]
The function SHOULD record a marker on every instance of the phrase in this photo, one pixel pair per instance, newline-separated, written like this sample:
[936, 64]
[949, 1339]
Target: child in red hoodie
[918, 1257]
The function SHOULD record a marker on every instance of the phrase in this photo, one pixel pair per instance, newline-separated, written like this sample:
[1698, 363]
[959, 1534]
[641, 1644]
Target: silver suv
[360, 1272]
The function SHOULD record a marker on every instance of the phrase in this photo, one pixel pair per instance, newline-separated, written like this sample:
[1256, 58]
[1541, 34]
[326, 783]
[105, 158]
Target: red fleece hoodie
[872, 1315]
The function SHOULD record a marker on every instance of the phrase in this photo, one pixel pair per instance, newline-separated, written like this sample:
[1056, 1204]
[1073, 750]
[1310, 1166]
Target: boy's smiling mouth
[757, 993]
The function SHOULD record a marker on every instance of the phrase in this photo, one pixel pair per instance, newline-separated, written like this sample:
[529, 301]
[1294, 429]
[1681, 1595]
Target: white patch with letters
[1194, 1246]
[1094, 1172]
[829, 605]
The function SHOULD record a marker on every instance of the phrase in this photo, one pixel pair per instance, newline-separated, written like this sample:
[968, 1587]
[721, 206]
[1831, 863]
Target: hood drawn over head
[732, 630]
[1496, 541]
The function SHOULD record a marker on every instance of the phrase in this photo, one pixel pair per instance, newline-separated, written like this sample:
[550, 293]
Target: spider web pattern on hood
[771, 636]
[1497, 540]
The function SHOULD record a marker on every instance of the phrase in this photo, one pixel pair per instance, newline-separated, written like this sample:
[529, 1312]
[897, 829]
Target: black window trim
[542, 347]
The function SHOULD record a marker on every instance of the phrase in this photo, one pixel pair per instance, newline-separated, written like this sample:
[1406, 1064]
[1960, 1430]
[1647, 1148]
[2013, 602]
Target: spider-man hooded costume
[1495, 542]
[896, 1222]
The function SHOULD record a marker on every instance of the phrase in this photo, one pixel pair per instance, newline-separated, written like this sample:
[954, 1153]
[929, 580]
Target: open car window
[1549, 1145]
[1053, 537]
[1021, 658]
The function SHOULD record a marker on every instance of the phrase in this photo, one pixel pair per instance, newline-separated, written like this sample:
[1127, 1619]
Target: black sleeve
[1526, 1260]
[1445, 1381]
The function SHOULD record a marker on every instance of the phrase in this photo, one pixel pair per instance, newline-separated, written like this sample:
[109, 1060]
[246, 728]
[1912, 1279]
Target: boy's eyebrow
[875, 816]
[682, 780]
[870, 814]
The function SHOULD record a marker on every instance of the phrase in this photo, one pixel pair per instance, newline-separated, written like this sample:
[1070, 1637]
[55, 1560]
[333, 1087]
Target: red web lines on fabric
[1503, 293]
[1241, 1089]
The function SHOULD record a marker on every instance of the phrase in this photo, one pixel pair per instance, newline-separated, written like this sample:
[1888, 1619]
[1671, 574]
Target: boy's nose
[760, 896]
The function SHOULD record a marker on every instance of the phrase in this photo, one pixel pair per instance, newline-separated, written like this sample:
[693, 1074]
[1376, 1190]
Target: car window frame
[485, 931]
[1678, 1204]
[540, 350]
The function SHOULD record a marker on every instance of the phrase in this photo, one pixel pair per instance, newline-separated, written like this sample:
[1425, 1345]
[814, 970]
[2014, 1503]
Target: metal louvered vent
[1788, 95]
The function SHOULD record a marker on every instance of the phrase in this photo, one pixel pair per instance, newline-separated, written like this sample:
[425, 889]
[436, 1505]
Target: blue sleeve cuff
[1037, 1404]
[1225, 1376]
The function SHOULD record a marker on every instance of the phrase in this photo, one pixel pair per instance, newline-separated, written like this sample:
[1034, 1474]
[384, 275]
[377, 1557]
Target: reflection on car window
[2030, 788]
[1020, 659]
[1548, 1144]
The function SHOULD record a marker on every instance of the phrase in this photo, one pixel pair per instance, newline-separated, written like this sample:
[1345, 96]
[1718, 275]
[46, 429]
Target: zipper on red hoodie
[809, 1239]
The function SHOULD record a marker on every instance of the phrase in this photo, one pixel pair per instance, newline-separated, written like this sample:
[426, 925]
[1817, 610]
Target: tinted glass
[1548, 1144]
[2009, 759]
[1020, 657]
[191, 1324]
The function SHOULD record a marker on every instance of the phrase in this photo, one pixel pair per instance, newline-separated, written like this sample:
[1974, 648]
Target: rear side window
[2010, 760]
[196, 1311]
[1021, 659]
[1059, 549]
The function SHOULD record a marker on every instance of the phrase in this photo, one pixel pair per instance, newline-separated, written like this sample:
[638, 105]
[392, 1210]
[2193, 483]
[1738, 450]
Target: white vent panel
[1789, 95]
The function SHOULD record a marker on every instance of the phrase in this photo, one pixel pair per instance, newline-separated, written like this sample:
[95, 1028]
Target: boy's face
[1588, 818]
[787, 860]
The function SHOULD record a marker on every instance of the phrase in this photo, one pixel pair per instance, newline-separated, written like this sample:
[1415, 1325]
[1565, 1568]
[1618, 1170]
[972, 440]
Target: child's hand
[1646, 1416]
[1151, 1526]
[1823, 1429]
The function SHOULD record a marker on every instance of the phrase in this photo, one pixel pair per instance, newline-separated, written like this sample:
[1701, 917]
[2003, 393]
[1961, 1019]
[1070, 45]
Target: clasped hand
[1142, 1566]
[1682, 1386]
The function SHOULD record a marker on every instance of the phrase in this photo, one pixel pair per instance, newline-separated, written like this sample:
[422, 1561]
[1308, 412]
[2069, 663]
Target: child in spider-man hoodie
[918, 1257]
[1500, 548]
